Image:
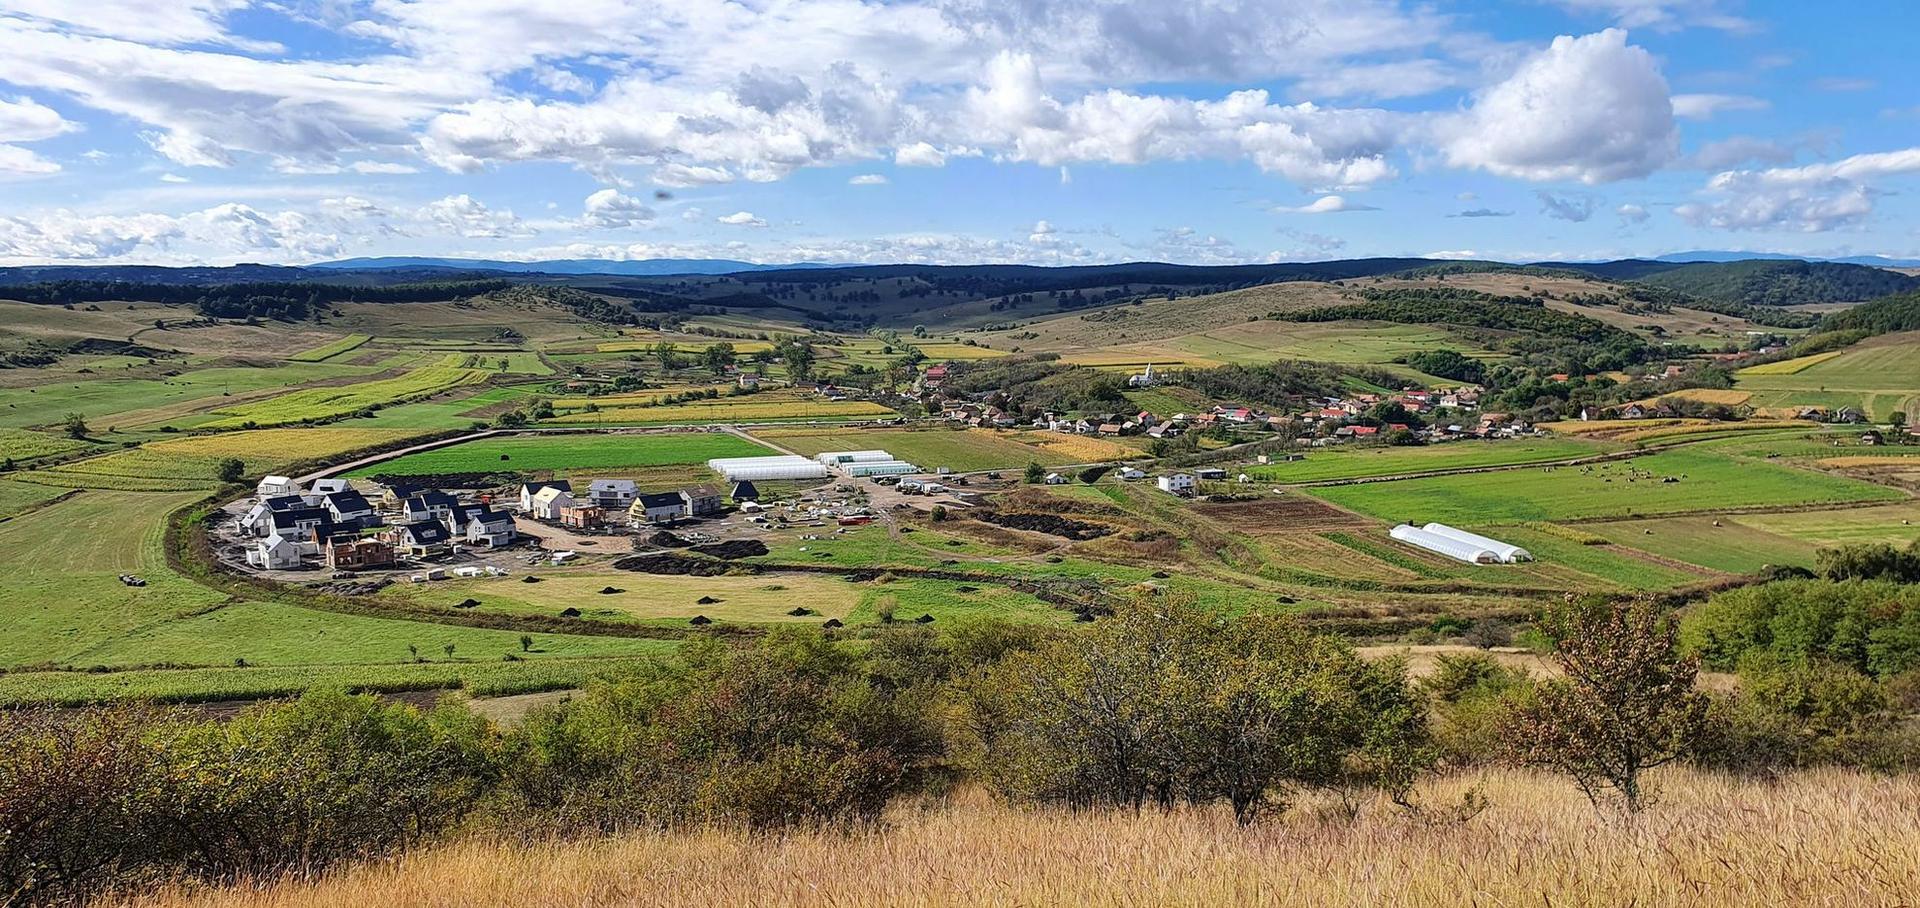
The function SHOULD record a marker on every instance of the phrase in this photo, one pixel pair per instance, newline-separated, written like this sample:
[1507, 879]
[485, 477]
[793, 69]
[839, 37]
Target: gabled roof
[550, 494]
[348, 500]
[293, 517]
[426, 532]
[488, 516]
[659, 500]
[700, 491]
[614, 485]
[533, 488]
[285, 503]
[430, 499]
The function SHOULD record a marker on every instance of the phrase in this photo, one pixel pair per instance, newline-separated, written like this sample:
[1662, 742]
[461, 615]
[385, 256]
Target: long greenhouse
[755, 469]
[841, 458]
[880, 468]
[1507, 552]
[1452, 548]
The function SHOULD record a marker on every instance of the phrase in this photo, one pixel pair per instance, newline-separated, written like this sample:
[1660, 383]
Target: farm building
[783, 466]
[1444, 545]
[1210, 474]
[1509, 554]
[841, 458]
[881, 468]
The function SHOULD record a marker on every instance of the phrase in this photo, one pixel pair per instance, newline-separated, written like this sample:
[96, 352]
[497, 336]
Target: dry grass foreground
[1826, 838]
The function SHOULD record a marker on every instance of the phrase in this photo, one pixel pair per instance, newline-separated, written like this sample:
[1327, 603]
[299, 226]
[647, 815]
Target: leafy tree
[1871, 561]
[526, 643]
[717, 357]
[76, 426]
[1626, 704]
[1035, 473]
[232, 469]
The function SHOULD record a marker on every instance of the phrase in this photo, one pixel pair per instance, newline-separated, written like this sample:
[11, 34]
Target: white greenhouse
[839, 458]
[1452, 548]
[881, 468]
[1508, 553]
[754, 469]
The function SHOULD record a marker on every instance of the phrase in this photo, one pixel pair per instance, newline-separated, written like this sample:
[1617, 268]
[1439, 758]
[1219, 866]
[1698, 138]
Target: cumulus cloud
[1571, 208]
[1593, 109]
[1632, 214]
[27, 120]
[919, 154]
[1329, 204]
[868, 179]
[1810, 198]
[463, 215]
[608, 209]
[742, 219]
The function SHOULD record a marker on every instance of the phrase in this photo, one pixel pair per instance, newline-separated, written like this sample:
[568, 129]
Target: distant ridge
[647, 267]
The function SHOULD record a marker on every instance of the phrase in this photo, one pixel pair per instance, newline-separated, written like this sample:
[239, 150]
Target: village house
[701, 500]
[1055, 479]
[488, 527]
[431, 504]
[1130, 474]
[426, 539]
[745, 491]
[324, 487]
[276, 487]
[547, 503]
[529, 489]
[1210, 474]
[583, 516]
[276, 553]
[657, 507]
[349, 508]
[1176, 483]
[613, 494]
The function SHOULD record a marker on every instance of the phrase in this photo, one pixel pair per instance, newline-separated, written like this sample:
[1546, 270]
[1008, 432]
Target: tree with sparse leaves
[1626, 703]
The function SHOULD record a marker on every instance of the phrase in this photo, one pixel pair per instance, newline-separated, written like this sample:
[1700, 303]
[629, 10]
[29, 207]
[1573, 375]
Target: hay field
[964, 450]
[568, 453]
[1809, 838]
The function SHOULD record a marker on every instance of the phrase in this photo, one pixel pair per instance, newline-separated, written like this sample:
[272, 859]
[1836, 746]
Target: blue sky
[1044, 131]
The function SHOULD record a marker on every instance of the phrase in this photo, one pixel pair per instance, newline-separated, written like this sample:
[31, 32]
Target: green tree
[718, 357]
[1035, 472]
[76, 426]
[666, 355]
[232, 469]
[526, 643]
[1626, 703]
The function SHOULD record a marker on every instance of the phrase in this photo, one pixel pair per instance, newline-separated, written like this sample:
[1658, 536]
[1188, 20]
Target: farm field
[23, 445]
[965, 450]
[101, 399]
[193, 462]
[1878, 376]
[563, 453]
[329, 351]
[1359, 462]
[1356, 343]
[1704, 482]
[1896, 524]
[17, 497]
[1734, 545]
[763, 407]
[327, 403]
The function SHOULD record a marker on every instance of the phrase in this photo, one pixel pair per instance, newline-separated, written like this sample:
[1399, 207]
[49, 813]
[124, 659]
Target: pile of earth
[1050, 524]
[662, 539]
[736, 548]
[672, 564]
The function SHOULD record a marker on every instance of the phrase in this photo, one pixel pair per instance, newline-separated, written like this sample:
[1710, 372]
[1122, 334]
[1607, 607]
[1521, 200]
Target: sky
[954, 131]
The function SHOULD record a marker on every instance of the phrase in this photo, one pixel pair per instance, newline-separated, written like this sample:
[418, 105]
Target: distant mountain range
[649, 267]
[1706, 255]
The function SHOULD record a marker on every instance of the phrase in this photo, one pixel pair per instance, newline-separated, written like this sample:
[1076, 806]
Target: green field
[962, 450]
[1704, 482]
[1357, 462]
[68, 688]
[327, 403]
[21, 445]
[562, 454]
[329, 351]
[1732, 546]
[99, 399]
[1878, 376]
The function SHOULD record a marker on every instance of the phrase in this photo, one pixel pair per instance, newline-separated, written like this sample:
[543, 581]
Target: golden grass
[1869, 460]
[1725, 396]
[1790, 366]
[1827, 838]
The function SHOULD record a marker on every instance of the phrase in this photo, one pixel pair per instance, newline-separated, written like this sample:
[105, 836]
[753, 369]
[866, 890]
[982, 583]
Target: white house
[276, 487]
[275, 553]
[489, 528]
[548, 502]
[530, 489]
[322, 487]
[1176, 483]
[1055, 479]
[613, 494]
[1142, 379]
[1132, 475]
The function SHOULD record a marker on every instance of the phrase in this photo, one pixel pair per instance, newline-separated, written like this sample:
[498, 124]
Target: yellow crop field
[749, 408]
[1610, 426]
[644, 398]
[957, 351]
[326, 403]
[646, 345]
[1724, 396]
[1670, 433]
[196, 460]
[1076, 448]
[1870, 460]
[1790, 366]
[1119, 359]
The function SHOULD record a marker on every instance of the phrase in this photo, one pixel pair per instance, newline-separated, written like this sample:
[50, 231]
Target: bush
[1868, 626]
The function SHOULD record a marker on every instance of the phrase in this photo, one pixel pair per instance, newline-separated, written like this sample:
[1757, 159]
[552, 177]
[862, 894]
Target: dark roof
[533, 488]
[744, 490]
[431, 498]
[285, 503]
[660, 500]
[425, 532]
[295, 516]
[701, 491]
[487, 515]
[348, 500]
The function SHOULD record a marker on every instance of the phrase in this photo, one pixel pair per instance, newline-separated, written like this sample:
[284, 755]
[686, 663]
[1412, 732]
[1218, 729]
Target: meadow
[1359, 462]
[315, 404]
[1703, 482]
[328, 351]
[1878, 376]
[193, 462]
[103, 401]
[564, 453]
[962, 450]
[1712, 841]
[764, 407]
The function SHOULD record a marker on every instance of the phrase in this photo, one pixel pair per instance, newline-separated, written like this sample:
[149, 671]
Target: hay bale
[923, 619]
[468, 603]
[966, 589]
[800, 612]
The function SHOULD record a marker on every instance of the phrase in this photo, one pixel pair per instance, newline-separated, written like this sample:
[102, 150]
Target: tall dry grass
[1816, 838]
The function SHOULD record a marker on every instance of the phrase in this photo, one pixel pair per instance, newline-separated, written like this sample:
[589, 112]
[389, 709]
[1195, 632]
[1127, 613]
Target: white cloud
[868, 179]
[1811, 198]
[742, 219]
[609, 209]
[173, 178]
[919, 154]
[1844, 83]
[1664, 15]
[1571, 208]
[1593, 109]
[1329, 204]
[170, 22]
[27, 120]
[463, 215]
[1632, 214]
[1732, 150]
[19, 162]
[1705, 106]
